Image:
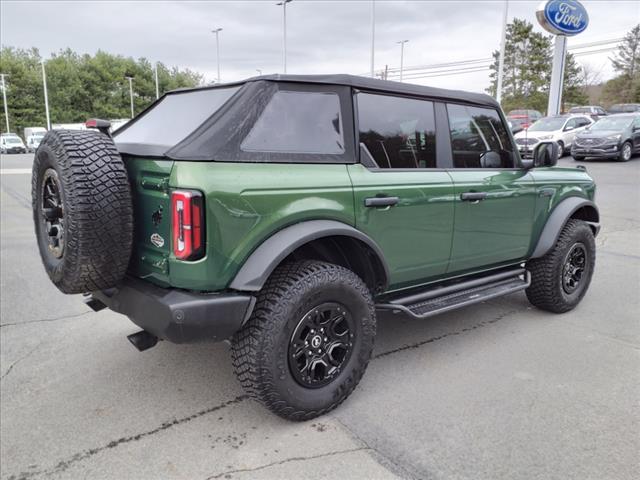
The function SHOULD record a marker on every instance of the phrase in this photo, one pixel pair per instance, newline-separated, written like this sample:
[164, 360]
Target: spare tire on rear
[82, 210]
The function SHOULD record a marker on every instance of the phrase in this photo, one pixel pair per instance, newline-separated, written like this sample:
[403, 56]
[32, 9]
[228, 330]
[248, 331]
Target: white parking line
[14, 171]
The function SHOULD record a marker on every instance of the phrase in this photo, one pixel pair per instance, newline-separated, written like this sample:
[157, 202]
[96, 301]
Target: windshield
[13, 140]
[580, 110]
[547, 125]
[612, 123]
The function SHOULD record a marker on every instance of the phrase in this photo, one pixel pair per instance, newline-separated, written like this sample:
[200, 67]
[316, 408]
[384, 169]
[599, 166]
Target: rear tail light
[187, 224]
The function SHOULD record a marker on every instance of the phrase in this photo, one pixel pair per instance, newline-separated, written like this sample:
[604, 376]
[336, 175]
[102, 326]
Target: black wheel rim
[321, 345]
[574, 268]
[52, 212]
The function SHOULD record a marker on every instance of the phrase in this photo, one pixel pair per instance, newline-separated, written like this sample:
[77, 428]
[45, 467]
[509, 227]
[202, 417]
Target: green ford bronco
[283, 213]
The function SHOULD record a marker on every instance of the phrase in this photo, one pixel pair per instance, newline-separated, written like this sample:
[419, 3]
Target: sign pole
[557, 75]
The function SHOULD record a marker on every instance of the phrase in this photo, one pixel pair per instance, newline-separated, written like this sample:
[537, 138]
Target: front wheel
[561, 277]
[625, 152]
[308, 341]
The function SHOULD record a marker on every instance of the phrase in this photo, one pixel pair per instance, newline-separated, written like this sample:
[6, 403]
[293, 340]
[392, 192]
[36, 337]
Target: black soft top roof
[207, 123]
[364, 83]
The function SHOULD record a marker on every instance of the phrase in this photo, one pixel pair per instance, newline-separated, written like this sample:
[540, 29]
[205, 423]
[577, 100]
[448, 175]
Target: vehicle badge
[157, 240]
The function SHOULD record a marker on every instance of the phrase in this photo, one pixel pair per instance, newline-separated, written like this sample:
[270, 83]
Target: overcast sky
[323, 36]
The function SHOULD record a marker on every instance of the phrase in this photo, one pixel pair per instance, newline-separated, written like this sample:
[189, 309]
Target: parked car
[594, 112]
[33, 141]
[11, 143]
[624, 108]
[521, 119]
[560, 129]
[283, 212]
[615, 136]
[29, 131]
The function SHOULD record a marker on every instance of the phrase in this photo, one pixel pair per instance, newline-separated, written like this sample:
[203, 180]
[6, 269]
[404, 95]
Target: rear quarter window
[298, 122]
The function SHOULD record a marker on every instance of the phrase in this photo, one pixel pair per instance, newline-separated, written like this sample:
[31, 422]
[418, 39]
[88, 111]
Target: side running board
[445, 298]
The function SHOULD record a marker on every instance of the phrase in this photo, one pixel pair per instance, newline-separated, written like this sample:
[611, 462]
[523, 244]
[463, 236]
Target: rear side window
[398, 132]
[298, 122]
[478, 138]
[175, 117]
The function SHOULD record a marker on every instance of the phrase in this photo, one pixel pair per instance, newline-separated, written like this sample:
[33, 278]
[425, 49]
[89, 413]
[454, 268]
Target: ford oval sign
[563, 17]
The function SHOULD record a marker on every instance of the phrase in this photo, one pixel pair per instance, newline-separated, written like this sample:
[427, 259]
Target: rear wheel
[560, 149]
[308, 341]
[625, 152]
[560, 278]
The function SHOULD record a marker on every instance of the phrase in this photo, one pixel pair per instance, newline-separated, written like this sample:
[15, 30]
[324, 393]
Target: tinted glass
[175, 117]
[398, 132]
[298, 122]
[478, 138]
[612, 123]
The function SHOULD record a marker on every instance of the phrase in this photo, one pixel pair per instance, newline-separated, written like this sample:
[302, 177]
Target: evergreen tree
[527, 70]
[626, 61]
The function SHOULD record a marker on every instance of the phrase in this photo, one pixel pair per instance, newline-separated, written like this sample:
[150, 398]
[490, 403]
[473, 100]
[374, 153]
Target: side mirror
[545, 154]
[568, 128]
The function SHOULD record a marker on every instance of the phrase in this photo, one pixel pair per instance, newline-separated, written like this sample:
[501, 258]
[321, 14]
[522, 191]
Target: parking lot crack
[413, 346]
[39, 320]
[63, 465]
[29, 353]
[228, 473]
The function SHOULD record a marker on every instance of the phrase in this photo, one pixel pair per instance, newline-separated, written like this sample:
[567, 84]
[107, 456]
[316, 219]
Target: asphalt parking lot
[495, 391]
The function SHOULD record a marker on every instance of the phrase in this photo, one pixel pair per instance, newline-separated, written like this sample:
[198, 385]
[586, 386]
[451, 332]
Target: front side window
[478, 138]
[572, 123]
[298, 122]
[398, 132]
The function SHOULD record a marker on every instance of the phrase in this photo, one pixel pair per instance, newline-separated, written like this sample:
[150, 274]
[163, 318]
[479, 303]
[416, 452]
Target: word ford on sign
[563, 17]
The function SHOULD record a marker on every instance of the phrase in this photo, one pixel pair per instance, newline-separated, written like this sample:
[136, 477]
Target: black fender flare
[558, 219]
[263, 261]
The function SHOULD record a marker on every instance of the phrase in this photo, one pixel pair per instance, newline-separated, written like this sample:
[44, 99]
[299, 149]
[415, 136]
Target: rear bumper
[178, 316]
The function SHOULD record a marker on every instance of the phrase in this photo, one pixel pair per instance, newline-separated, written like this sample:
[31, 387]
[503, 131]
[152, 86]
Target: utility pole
[46, 97]
[4, 100]
[503, 42]
[402, 42]
[217, 31]
[155, 74]
[373, 34]
[130, 92]
[284, 33]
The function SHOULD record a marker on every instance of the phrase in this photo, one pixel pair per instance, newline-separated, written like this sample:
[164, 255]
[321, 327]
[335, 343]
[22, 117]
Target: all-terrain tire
[261, 349]
[548, 290]
[82, 210]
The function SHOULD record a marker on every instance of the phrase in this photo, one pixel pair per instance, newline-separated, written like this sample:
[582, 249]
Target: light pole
[46, 97]
[4, 100]
[130, 92]
[373, 33]
[217, 31]
[503, 46]
[402, 42]
[155, 74]
[284, 32]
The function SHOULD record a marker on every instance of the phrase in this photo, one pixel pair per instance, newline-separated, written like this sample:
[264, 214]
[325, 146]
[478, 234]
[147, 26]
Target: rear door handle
[473, 196]
[381, 201]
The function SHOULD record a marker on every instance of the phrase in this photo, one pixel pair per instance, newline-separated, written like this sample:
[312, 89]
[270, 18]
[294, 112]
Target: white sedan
[561, 129]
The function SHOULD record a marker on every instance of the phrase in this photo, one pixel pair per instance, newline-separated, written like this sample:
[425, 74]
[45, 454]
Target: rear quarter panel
[248, 202]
